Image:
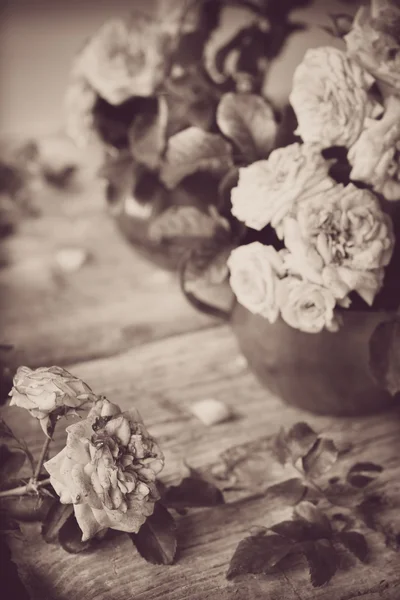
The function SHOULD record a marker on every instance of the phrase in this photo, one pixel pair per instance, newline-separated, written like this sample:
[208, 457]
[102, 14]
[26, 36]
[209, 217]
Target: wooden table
[122, 325]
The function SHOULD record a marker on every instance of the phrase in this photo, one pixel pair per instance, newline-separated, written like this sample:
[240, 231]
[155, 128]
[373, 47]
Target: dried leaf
[147, 134]
[280, 448]
[156, 540]
[322, 560]
[10, 463]
[341, 23]
[384, 355]
[70, 537]
[354, 542]
[300, 439]
[258, 554]
[27, 508]
[193, 150]
[55, 519]
[362, 474]
[320, 458]
[342, 494]
[298, 530]
[290, 492]
[311, 514]
[10, 580]
[180, 222]
[248, 120]
[192, 492]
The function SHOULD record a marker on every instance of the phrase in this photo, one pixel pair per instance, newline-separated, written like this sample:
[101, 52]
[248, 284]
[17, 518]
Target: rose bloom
[49, 390]
[124, 59]
[335, 237]
[255, 270]
[268, 189]
[330, 98]
[108, 470]
[375, 155]
[307, 306]
[374, 43]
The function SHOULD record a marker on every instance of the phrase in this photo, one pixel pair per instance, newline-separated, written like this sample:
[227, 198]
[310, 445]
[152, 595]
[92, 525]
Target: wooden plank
[162, 379]
[115, 301]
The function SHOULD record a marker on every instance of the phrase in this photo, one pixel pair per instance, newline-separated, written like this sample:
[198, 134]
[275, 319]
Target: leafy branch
[311, 532]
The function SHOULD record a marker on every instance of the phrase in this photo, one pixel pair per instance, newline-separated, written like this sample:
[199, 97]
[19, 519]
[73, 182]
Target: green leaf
[362, 474]
[354, 542]
[299, 440]
[10, 463]
[320, 458]
[192, 492]
[147, 134]
[290, 492]
[384, 355]
[156, 540]
[249, 122]
[322, 561]
[55, 519]
[193, 150]
[70, 537]
[258, 554]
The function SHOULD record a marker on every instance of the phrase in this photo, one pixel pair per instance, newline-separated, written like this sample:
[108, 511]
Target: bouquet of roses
[173, 98]
[324, 208]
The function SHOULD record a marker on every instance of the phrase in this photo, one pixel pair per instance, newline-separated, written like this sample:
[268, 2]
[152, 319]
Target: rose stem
[43, 453]
[25, 489]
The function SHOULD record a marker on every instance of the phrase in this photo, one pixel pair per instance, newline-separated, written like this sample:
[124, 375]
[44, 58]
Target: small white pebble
[211, 411]
[71, 259]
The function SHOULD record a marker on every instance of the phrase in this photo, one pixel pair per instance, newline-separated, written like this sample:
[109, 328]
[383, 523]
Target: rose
[49, 391]
[330, 98]
[108, 470]
[268, 189]
[374, 43]
[334, 238]
[123, 60]
[375, 155]
[255, 270]
[307, 306]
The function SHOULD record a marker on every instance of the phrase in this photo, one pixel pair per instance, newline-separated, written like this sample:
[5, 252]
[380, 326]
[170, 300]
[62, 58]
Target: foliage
[318, 534]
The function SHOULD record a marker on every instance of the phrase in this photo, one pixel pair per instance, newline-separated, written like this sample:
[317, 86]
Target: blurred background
[39, 39]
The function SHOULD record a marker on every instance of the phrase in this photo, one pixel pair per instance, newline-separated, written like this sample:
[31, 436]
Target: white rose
[375, 157]
[330, 98]
[255, 271]
[307, 306]
[336, 237]
[268, 189]
[123, 60]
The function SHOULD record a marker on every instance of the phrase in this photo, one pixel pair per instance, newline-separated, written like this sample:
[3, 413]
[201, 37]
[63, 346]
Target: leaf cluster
[311, 532]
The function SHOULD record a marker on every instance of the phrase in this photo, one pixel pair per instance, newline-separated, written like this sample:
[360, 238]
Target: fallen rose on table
[104, 478]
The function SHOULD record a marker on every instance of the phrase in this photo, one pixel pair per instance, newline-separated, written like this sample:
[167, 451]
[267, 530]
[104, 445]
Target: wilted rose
[124, 59]
[108, 470]
[375, 157]
[47, 391]
[374, 42]
[307, 306]
[255, 271]
[330, 98]
[333, 238]
[268, 189]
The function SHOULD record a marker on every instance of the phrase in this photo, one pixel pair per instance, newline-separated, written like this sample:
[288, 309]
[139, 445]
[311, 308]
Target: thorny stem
[22, 490]
[43, 453]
